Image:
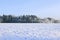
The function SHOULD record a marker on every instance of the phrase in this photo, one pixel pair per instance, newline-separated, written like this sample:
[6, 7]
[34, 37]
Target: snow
[29, 31]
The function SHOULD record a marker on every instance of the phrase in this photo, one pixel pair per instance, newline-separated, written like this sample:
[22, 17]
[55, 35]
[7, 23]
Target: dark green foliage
[26, 19]
[7, 19]
[20, 19]
[4, 18]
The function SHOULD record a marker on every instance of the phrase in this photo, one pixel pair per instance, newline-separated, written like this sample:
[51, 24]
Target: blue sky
[41, 8]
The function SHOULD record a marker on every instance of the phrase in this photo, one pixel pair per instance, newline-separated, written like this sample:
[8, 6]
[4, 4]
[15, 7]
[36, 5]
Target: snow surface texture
[27, 31]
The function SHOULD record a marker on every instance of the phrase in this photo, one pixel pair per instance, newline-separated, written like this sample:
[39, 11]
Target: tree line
[26, 19]
[20, 19]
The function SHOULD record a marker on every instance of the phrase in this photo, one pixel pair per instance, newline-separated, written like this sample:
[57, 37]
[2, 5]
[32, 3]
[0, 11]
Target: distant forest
[26, 19]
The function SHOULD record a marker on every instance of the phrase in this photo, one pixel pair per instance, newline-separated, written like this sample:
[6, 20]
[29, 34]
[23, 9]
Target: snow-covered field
[29, 31]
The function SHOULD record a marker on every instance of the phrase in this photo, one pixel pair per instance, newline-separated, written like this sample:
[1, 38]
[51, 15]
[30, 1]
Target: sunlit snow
[29, 31]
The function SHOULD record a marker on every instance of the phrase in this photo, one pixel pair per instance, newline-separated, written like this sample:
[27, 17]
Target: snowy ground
[27, 31]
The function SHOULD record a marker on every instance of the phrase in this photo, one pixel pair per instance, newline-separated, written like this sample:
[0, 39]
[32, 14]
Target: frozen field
[27, 31]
